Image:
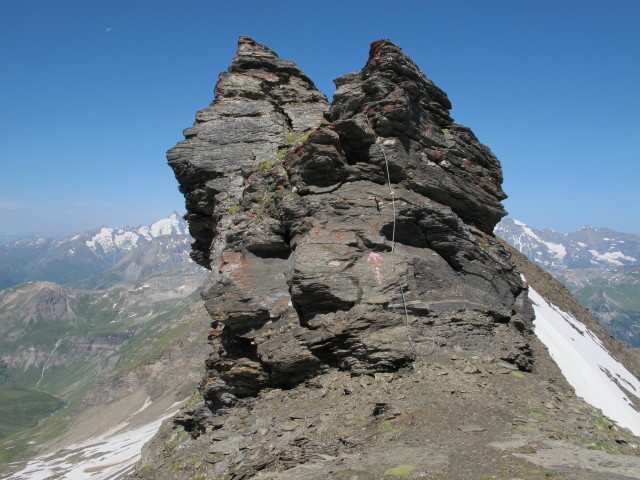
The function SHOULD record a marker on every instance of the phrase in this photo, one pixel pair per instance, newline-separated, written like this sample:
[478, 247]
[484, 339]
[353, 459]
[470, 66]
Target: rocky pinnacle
[355, 235]
[260, 102]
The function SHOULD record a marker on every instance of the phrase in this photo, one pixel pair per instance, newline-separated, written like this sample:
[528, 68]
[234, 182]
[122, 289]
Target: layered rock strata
[262, 104]
[355, 235]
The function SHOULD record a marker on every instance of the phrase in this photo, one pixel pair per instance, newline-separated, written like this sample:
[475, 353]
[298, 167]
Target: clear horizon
[94, 93]
[5, 236]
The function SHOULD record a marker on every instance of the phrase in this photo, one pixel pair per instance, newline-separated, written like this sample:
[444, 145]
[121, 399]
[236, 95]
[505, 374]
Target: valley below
[113, 353]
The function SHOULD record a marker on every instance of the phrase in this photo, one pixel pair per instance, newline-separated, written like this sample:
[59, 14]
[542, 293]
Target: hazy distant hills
[88, 307]
[60, 339]
[612, 295]
[601, 267]
[82, 257]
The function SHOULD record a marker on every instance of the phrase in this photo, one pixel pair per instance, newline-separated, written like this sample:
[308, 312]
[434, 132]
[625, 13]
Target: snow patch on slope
[556, 250]
[612, 257]
[528, 239]
[165, 226]
[110, 240]
[126, 240]
[110, 455]
[586, 364]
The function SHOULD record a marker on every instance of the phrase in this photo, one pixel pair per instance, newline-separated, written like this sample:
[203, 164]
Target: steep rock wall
[356, 235]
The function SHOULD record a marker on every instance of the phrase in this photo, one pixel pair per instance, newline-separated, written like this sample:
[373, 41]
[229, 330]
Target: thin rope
[393, 247]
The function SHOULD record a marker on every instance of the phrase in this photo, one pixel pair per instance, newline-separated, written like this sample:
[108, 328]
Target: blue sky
[95, 92]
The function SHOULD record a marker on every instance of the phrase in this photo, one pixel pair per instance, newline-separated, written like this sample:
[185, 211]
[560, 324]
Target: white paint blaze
[586, 364]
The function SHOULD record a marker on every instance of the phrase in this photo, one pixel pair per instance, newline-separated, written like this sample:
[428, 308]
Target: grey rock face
[316, 260]
[428, 153]
[261, 103]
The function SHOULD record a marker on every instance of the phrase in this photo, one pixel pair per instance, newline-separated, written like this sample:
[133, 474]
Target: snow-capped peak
[585, 248]
[174, 225]
[110, 240]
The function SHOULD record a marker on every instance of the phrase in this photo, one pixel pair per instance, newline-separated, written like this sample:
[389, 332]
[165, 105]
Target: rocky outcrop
[262, 104]
[355, 236]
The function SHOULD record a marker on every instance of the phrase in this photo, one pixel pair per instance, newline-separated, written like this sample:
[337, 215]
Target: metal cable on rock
[393, 247]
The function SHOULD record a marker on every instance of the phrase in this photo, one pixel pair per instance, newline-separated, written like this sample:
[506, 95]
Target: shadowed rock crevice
[291, 207]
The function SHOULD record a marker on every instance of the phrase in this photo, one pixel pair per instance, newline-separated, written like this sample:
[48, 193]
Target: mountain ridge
[79, 256]
[365, 321]
[604, 275]
[84, 346]
[583, 248]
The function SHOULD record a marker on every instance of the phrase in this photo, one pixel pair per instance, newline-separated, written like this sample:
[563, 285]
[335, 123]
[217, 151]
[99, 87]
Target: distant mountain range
[601, 267]
[585, 248]
[91, 307]
[113, 315]
[79, 259]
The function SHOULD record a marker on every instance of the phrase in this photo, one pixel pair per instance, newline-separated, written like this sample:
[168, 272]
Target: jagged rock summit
[366, 323]
[261, 101]
[356, 235]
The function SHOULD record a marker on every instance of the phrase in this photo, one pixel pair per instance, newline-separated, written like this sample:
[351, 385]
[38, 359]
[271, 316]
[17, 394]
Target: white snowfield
[108, 456]
[612, 257]
[595, 375]
[167, 226]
